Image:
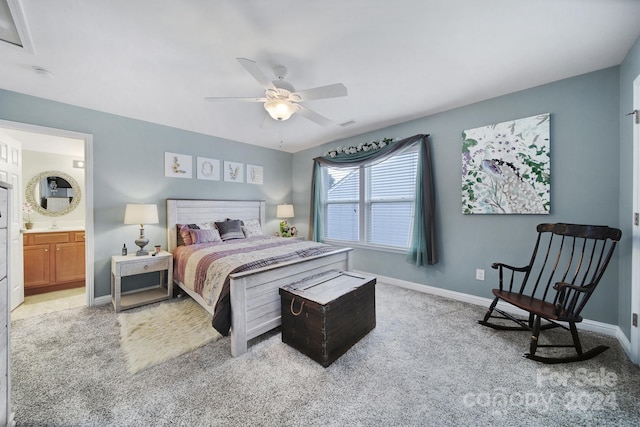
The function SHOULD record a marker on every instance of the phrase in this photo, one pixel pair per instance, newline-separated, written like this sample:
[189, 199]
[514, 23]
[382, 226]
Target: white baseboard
[625, 343]
[586, 325]
[103, 300]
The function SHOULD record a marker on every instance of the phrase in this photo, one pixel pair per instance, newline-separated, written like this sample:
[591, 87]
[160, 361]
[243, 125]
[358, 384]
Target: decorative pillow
[183, 233]
[230, 229]
[204, 236]
[251, 227]
[207, 225]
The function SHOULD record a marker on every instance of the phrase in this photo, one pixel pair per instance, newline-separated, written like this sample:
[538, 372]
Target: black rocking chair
[567, 263]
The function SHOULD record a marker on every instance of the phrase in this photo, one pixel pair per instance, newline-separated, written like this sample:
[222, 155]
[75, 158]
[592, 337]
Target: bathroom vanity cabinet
[53, 260]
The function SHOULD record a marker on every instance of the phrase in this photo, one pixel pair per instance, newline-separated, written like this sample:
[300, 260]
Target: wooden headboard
[184, 211]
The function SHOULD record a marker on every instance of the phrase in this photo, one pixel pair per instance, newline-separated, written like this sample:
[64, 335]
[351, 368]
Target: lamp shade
[140, 213]
[284, 211]
[279, 109]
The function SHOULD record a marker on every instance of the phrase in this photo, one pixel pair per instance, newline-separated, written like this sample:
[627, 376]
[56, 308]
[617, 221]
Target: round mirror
[53, 193]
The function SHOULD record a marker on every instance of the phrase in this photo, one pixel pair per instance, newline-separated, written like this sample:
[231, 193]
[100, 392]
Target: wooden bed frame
[255, 301]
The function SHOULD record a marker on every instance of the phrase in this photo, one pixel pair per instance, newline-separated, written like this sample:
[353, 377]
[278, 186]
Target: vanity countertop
[52, 230]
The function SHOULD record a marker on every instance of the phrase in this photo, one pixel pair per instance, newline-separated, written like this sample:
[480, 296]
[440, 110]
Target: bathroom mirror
[53, 193]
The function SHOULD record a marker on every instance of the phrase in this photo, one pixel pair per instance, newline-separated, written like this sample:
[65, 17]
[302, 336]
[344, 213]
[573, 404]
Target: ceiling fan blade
[227, 98]
[313, 116]
[257, 74]
[330, 91]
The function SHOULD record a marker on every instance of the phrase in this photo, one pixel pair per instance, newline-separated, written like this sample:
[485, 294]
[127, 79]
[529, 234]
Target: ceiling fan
[281, 100]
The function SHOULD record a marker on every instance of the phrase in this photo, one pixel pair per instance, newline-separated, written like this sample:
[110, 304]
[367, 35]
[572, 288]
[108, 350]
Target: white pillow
[251, 227]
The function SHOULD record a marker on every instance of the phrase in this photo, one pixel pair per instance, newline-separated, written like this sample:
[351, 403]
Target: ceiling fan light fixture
[279, 109]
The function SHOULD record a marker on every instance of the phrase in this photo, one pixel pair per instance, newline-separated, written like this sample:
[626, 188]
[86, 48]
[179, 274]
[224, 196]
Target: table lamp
[141, 214]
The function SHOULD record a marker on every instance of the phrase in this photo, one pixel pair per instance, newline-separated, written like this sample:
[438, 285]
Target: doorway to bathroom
[68, 153]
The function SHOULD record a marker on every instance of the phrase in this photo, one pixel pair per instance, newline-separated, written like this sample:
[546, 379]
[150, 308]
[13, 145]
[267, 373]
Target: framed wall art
[254, 174]
[506, 168]
[207, 168]
[233, 172]
[178, 165]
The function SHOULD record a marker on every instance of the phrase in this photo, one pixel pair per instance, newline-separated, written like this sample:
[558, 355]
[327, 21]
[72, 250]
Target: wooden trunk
[325, 315]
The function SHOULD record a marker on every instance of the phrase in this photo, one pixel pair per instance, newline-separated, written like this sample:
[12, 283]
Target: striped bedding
[205, 268]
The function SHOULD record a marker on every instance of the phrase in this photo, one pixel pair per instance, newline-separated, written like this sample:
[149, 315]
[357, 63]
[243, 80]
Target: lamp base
[285, 228]
[142, 242]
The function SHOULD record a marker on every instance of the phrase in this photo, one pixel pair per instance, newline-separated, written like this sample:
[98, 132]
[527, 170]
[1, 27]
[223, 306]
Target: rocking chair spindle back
[566, 265]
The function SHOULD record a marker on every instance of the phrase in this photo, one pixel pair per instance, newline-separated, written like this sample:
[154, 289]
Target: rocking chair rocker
[567, 264]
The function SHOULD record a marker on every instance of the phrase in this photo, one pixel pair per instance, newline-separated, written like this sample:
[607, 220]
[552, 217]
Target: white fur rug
[160, 333]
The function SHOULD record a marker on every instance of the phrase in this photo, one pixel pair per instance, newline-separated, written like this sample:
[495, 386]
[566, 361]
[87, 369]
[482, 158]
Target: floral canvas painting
[506, 167]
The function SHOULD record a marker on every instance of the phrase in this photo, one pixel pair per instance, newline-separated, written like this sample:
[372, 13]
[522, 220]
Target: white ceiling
[156, 60]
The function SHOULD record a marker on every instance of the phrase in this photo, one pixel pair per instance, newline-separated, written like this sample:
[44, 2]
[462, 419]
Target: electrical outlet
[479, 274]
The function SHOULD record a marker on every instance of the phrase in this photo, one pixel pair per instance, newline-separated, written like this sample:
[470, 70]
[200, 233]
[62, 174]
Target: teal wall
[585, 153]
[629, 71]
[591, 157]
[129, 167]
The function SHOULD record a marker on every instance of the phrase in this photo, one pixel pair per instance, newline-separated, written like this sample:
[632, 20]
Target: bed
[253, 294]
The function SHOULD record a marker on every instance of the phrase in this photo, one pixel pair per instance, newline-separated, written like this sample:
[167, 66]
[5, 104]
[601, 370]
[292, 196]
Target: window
[371, 205]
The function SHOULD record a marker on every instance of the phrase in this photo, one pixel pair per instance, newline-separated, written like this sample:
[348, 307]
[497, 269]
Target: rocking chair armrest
[562, 286]
[510, 277]
[497, 265]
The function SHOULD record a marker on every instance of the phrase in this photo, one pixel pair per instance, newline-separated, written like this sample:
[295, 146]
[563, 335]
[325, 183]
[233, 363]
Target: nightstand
[131, 265]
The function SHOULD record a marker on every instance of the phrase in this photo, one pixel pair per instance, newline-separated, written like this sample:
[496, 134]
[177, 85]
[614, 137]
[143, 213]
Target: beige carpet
[426, 363]
[153, 335]
[49, 302]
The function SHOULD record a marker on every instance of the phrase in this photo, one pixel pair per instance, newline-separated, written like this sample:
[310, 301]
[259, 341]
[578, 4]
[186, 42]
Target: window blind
[373, 204]
[390, 191]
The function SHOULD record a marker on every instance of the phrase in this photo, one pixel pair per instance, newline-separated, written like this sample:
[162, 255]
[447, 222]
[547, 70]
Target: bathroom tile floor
[50, 302]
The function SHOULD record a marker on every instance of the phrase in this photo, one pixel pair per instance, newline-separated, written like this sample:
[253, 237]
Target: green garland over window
[363, 146]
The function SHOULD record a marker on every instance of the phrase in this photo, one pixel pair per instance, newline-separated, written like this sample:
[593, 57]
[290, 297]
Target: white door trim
[88, 196]
[635, 257]
[11, 165]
